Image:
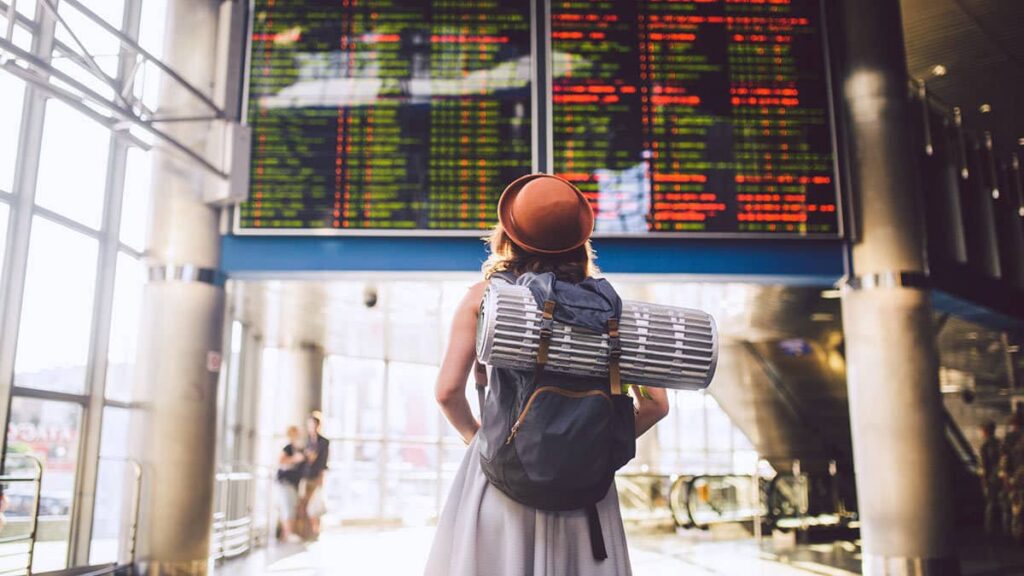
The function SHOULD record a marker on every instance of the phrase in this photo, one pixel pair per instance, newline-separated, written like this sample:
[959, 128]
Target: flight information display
[695, 116]
[386, 114]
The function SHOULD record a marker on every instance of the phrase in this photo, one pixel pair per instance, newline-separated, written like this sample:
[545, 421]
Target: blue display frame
[803, 262]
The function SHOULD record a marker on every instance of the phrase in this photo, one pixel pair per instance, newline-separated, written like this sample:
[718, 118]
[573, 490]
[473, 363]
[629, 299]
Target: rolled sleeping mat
[662, 346]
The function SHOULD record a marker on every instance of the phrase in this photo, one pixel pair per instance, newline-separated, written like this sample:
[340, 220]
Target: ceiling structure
[971, 54]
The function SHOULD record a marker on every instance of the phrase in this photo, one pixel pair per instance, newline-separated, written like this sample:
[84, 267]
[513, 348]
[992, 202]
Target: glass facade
[49, 431]
[4, 212]
[60, 283]
[12, 91]
[66, 255]
[73, 165]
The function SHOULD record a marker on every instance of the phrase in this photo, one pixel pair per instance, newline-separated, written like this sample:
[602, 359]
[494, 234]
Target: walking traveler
[289, 473]
[534, 493]
[991, 485]
[317, 454]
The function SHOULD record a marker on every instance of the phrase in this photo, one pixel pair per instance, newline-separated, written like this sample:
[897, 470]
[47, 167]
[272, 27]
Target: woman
[544, 226]
[289, 474]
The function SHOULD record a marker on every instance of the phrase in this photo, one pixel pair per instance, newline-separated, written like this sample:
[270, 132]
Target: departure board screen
[695, 116]
[385, 114]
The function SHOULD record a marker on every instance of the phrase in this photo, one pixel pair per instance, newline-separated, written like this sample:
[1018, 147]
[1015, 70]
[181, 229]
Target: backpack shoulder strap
[614, 353]
[480, 379]
[596, 537]
[547, 324]
[507, 277]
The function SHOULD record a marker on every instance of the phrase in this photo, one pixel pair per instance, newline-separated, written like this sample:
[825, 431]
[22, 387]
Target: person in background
[289, 474]
[991, 485]
[317, 453]
[1009, 462]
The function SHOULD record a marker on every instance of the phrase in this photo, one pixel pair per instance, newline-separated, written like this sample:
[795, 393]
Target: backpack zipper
[556, 390]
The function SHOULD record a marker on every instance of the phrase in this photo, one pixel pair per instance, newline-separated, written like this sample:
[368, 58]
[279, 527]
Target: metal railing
[644, 497]
[800, 502]
[136, 506]
[28, 538]
[701, 501]
[232, 527]
[264, 530]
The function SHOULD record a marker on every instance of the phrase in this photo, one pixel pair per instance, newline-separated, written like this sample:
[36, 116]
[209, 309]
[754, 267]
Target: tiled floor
[403, 552]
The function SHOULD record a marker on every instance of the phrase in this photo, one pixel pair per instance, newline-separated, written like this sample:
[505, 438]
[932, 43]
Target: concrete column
[247, 427]
[892, 373]
[174, 433]
[297, 380]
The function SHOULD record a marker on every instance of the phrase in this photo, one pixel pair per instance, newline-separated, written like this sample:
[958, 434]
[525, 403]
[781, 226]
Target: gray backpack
[553, 441]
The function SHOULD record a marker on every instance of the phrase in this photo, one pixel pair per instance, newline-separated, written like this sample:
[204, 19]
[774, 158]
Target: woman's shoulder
[470, 303]
[476, 291]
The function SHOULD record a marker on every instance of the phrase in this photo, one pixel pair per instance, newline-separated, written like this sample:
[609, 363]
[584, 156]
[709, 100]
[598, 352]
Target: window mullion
[87, 478]
[20, 219]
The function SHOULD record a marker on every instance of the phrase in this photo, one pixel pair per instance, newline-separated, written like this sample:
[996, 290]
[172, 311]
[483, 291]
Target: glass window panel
[719, 427]
[689, 417]
[362, 334]
[452, 457]
[137, 192]
[414, 337]
[353, 397]
[23, 38]
[12, 92]
[56, 316]
[352, 486]
[152, 26]
[412, 483]
[115, 490]
[81, 74]
[49, 431]
[72, 164]
[129, 284]
[412, 412]
[100, 44]
[111, 11]
[152, 29]
[744, 462]
[27, 8]
[4, 211]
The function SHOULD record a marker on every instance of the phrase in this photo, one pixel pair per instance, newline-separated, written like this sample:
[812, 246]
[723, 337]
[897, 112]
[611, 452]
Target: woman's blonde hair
[507, 256]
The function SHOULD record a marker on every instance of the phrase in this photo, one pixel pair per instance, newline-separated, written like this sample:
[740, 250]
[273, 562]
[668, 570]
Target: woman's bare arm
[650, 410]
[450, 390]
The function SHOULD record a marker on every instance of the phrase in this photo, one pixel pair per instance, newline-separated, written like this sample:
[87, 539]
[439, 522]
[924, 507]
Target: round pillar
[297, 380]
[891, 357]
[174, 430]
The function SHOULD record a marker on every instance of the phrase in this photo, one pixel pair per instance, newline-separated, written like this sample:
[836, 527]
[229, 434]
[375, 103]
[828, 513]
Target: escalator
[781, 380]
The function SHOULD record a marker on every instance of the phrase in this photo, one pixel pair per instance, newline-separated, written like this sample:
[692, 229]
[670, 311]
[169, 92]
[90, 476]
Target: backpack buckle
[614, 348]
[547, 322]
[546, 330]
[614, 342]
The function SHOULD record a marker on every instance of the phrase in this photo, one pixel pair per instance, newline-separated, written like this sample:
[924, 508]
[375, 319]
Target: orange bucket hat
[545, 214]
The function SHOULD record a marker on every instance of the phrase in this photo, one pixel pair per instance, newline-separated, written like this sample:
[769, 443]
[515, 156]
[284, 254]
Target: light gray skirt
[482, 532]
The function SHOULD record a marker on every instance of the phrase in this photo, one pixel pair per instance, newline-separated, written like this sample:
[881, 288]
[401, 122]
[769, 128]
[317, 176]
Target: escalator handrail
[690, 486]
[960, 443]
[680, 483]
